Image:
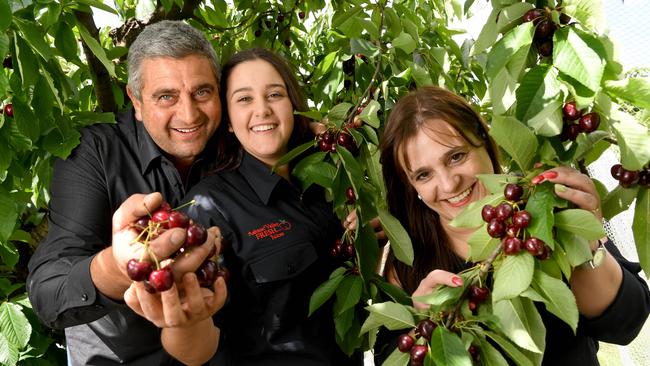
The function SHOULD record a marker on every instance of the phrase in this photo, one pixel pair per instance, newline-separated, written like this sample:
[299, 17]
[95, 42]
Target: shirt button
[291, 269]
[84, 297]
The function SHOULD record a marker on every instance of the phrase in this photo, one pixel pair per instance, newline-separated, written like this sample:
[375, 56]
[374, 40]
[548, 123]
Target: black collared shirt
[277, 255]
[112, 162]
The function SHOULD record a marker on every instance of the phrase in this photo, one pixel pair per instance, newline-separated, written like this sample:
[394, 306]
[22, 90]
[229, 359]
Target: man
[78, 274]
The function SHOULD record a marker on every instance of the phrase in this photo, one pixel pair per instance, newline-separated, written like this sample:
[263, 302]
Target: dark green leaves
[400, 242]
[516, 139]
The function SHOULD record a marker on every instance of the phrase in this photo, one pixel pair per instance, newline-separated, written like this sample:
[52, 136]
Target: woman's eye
[276, 95]
[244, 99]
[456, 157]
[422, 176]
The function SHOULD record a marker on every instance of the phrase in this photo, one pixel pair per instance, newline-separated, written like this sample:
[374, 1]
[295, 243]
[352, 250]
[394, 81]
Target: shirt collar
[259, 177]
[148, 151]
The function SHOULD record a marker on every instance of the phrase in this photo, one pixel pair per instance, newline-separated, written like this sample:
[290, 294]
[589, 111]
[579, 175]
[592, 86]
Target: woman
[433, 147]
[278, 236]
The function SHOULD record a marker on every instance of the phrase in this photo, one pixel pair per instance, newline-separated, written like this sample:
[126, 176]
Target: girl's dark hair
[412, 113]
[229, 150]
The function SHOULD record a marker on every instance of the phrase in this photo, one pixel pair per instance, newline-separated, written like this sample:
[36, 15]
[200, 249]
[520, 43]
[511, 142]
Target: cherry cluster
[265, 23]
[342, 250]
[544, 28]
[507, 221]
[628, 178]
[8, 110]
[155, 277]
[586, 123]
[407, 343]
[329, 140]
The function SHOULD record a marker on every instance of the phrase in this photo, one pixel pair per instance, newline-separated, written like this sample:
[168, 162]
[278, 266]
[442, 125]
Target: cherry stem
[184, 205]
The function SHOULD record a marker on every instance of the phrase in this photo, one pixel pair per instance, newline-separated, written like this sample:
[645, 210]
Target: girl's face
[443, 168]
[260, 111]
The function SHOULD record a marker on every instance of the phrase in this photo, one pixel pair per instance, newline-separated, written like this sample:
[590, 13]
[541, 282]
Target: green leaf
[400, 242]
[349, 292]
[8, 351]
[502, 91]
[540, 206]
[633, 90]
[632, 138]
[538, 88]
[397, 294]
[99, 5]
[14, 325]
[367, 249]
[393, 316]
[404, 42]
[440, 296]
[5, 15]
[588, 12]
[326, 290]
[575, 58]
[26, 61]
[641, 228]
[557, 297]
[66, 42]
[489, 355]
[580, 222]
[369, 114]
[84, 118]
[321, 173]
[26, 120]
[34, 36]
[576, 247]
[296, 151]
[8, 215]
[471, 215]
[97, 49]
[364, 47]
[548, 122]
[515, 354]
[371, 155]
[496, 183]
[448, 349]
[481, 245]
[519, 38]
[9, 254]
[339, 111]
[397, 358]
[521, 322]
[516, 139]
[513, 276]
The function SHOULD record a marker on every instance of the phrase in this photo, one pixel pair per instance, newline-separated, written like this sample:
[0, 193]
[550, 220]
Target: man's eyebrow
[164, 91]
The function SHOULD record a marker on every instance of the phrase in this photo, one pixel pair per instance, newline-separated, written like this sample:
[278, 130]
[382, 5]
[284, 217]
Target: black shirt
[112, 162]
[277, 255]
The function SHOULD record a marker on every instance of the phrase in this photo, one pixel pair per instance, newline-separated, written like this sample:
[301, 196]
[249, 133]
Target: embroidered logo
[273, 230]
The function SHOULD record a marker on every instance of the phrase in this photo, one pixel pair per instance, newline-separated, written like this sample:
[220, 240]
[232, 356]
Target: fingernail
[550, 175]
[538, 179]
[538, 165]
[561, 188]
[457, 281]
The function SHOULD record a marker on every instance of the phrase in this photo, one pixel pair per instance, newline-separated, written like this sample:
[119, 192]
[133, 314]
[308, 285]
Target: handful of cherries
[586, 123]
[509, 222]
[148, 268]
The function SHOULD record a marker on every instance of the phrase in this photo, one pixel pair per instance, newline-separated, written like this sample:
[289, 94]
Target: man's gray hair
[167, 38]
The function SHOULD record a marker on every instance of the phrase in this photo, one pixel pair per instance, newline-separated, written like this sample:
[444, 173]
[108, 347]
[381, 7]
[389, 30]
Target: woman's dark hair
[229, 150]
[412, 113]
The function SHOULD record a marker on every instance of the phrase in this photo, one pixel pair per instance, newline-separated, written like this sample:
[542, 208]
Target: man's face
[180, 105]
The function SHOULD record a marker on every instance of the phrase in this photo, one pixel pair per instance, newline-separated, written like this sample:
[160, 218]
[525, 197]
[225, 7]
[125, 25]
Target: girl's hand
[434, 279]
[574, 187]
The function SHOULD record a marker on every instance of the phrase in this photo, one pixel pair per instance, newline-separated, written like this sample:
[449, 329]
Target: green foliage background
[61, 73]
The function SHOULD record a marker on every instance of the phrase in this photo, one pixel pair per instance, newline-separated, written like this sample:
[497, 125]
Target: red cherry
[301, 15]
[533, 15]
[162, 217]
[504, 211]
[478, 294]
[628, 178]
[196, 235]
[9, 110]
[512, 230]
[544, 30]
[488, 213]
[405, 342]
[475, 353]
[513, 192]
[571, 112]
[570, 131]
[616, 171]
[644, 178]
[258, 33]
[207, 273]
[328, 137]
[324, 146]
[179, 219]
[418, 353]
[161, 279]
[142, 223]
[511, 246]
[349, 194]
[589, 122]
[472, 305]
[546, 253]
[564, 19]
[287, 42]
[348, 250]
[534, 246]
[545, 49]
[425, 328]
[333, 148]
[138, 271]
[521, 219]
[496, 228]
[280, 18]
[223, 272]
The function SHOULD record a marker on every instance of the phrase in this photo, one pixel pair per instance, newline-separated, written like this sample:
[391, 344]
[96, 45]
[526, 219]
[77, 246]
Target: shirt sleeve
[59, 284]
[624, 318]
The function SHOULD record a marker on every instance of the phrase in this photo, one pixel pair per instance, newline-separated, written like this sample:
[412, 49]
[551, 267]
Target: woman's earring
[419, 197]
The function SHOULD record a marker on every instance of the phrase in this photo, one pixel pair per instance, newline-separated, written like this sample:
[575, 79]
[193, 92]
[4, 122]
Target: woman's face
[260, 111]
[443, 168]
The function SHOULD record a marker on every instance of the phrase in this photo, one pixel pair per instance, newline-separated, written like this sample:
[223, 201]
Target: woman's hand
[574, 187]
[434, 279]
[175, 307]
